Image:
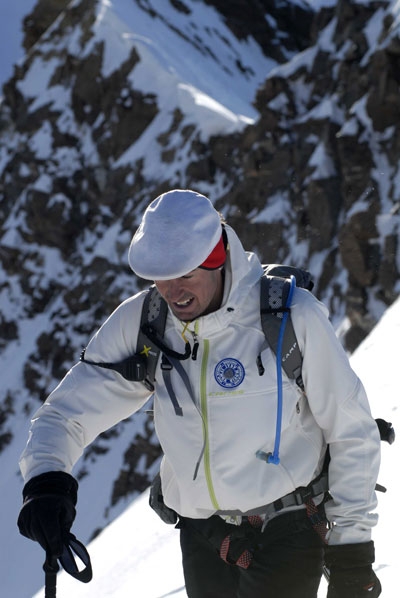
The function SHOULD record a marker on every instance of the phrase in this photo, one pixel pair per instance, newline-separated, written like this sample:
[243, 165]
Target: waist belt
[298, 497]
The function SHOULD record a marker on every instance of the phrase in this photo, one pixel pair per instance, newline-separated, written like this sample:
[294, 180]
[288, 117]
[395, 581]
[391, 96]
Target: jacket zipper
[203, 405]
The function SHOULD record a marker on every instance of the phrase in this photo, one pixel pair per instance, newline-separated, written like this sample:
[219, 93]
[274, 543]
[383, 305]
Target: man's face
[195, 294]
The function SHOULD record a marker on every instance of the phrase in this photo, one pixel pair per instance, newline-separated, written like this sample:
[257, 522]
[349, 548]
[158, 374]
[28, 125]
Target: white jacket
[210, 459]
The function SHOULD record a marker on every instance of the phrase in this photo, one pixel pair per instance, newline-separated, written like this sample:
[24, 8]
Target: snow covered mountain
[283, 112]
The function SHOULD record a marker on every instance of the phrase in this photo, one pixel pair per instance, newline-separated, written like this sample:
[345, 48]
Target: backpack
[276, 289]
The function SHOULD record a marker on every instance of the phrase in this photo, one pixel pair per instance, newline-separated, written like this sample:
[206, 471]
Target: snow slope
[138, 555]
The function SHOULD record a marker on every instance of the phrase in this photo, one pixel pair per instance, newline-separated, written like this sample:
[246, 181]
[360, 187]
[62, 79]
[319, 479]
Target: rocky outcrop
[278, 27]
[43, 15]
[324, 149]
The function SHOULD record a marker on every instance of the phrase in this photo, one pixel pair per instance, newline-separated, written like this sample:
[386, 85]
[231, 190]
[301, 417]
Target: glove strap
[72, 548]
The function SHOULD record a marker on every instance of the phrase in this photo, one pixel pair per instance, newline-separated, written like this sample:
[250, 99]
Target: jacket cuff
[51, 482]
[349, 556]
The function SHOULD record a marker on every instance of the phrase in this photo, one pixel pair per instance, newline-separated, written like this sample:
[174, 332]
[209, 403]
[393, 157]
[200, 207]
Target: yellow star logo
[146, 351]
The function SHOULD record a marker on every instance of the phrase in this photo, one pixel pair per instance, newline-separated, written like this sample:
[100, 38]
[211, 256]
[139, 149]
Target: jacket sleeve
[89, 399]
[340, 407]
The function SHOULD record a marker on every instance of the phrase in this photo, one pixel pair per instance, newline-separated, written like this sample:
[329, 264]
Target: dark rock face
[44, 13]
[313, 181]
[277, 27]
[339, 104]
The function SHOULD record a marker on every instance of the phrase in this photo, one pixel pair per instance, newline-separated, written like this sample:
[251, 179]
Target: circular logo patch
[229, 373]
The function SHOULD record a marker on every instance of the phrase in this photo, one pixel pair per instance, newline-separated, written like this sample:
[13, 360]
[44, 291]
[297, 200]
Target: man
[215, 415]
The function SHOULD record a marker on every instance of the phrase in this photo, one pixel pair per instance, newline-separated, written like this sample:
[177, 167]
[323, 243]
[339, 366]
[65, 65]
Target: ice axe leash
[72, 548]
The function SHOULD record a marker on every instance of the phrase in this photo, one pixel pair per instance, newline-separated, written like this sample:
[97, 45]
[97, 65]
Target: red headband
[217, 257]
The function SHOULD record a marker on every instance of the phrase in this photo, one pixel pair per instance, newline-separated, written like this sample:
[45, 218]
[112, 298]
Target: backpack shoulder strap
[141, 366]
[274, 291]
[154, 312]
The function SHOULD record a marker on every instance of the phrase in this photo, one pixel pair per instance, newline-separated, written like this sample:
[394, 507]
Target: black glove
[351, 574]
[49, 510]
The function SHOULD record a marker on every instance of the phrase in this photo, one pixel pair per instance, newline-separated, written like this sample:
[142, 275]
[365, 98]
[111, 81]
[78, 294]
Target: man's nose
[174, 289]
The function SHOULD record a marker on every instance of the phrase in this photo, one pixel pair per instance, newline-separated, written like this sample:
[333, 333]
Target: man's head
[180, 245]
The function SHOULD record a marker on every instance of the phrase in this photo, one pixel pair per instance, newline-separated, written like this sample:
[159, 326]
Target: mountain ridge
[287, 123]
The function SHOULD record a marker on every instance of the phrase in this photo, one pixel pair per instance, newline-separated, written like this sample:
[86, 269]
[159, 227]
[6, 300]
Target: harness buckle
[165, 363]
[302, 495]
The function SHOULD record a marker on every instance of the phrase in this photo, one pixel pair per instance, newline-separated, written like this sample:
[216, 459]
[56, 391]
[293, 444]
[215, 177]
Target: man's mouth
[184, 303]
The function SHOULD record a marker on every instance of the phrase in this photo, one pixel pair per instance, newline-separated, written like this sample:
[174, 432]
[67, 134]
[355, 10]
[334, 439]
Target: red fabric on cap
[217, 257]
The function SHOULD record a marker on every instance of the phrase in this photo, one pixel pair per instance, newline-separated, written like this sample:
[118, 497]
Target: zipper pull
[195, 347]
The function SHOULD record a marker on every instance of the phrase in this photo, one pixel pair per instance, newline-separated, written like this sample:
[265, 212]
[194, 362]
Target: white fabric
[222, 429]
[178, 231]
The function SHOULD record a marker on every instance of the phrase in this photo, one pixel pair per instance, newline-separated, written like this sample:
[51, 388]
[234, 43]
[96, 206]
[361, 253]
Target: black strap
[154, 312]
[141, 366]
[273, 295]
[298, 497]
[386, 430]
[155, 338]
[72, 548]
[166, 368]
[303, 277]
[133, 368]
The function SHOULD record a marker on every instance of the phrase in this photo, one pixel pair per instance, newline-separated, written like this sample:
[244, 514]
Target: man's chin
[185, 315]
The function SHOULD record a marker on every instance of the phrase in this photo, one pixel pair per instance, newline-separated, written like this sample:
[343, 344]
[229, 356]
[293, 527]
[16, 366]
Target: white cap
[178, 232]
